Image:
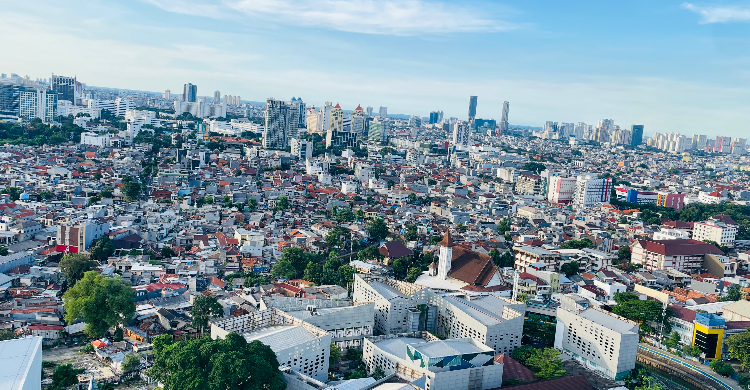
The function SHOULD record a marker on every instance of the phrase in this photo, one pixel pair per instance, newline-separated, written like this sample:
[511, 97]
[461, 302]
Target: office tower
[281, 123]
[472, 110]
[415, 121]
[369, 111]
[433, 117]
[608, 124]
[378, 130]
[440, 116]
[383, 113]
[217, 97]
[302, 112]
[504, 118]
[37, 103]
[699, 142]
[636, 134]
[167, 94]
[312, 120]
[358, 121]
[189, 93]
[461, 133]
[65, 87]
[9, 99]
[325, 118]
[723, 145]
[579, 130]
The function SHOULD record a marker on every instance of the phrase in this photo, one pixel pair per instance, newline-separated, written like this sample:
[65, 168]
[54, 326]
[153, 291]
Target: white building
[21, 364]
[116, 107]
[561, 189]
[715, 230]
[590, 191]
[282, 121]
[297, 344]
[600, 340]
[671, 234]
[37, 103]
[455, 364]
[200, 109]
[94, 139]
[302, 149]
[461, 133]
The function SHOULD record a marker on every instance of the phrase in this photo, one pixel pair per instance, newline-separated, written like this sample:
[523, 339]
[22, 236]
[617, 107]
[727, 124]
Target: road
[724, 384]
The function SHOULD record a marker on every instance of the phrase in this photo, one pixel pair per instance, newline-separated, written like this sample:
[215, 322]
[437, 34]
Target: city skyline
[684, 75]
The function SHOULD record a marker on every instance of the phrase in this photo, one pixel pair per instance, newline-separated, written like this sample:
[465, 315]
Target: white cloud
[389, 17]
[720, 14]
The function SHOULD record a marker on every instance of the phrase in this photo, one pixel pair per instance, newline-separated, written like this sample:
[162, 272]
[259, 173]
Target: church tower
[445, 256]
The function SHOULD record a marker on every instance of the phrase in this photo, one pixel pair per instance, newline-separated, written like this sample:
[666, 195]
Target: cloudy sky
[672, 66]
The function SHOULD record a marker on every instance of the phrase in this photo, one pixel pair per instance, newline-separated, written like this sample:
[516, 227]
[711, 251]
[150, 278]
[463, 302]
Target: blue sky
[673, 66]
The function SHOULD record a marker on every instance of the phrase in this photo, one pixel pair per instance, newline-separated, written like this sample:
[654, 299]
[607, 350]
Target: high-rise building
[302, 112]
[461, 133]
[65, 87]
[369, 111]
[383, 113]
[217, 97]
[37, 103]
[433, 117]
[472, 110]
[378, 130]
[281, 123]
[336, 135]
[591, 190]
[189, 93]
[636, 134]
[9, 99]
[699, 142]
[167, 94]
[358, 121]
[723, 145]
[739, 146]
[504, 118]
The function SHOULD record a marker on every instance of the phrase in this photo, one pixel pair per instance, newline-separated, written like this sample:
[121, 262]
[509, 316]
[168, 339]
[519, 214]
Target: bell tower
[445, 257]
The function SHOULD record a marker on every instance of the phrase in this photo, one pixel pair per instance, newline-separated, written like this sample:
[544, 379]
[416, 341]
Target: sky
[672, 66]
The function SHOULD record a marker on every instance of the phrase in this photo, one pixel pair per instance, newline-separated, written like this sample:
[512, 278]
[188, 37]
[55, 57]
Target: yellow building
[708, 334]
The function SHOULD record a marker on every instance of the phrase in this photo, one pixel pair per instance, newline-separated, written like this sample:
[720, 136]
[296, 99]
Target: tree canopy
[99, 301]
[739, 347]
[577, 244]
[204, 308]
[377, 229]
[103, 248]
[205, 364]
[75, 265]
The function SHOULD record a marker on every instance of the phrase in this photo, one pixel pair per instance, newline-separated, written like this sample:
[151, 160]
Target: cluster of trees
[534, 167]
[630, 306]
[101, 302]
[205, 364]
[545, 363]
[131, 189]
[538, 330]
[37, 133]
[507, 259]
[204, 308]
[570, 268]
[102, 249]
[577, 244]
[13, 192]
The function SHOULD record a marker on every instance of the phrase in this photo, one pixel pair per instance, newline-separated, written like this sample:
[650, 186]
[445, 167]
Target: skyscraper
[9, 99]
[383, 113]
[472, 110]
[65, 87]
[302, 112]
[167, 94]
[461, 133]
[281, 123]
[636, 132]
[358, 121]
[369, 111]
[217, 97]
[37, 103]
[433, 117]
[189, 93]
[504, 118]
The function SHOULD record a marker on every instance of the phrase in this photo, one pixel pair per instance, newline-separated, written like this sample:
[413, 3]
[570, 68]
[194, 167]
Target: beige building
[737, 311]
[715, 230]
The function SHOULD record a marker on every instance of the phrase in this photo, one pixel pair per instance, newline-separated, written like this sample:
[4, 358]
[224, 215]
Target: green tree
[504, 226]
[167, 252]
[377, 229]
[3, 251]
[413, 274]
[523, 353]
[131, 362]
[65, 376]
[643, 312]
[335, 356]
[252, 203]
[282, 203]
[101, 302]
[400, 267]
[6, 334]
[733, 294]
[534, 167]
[205, 364]
[739, 347]
[570, 269]
[75, 265]
[692, 350]
[673, 341]
[546, 363]
[378, 373]
[118, 335]
[205, 307]
[577, 244]
[103, 249]
[131, 190]
[208, 199]
[13, 192]
[46, 195]
[722, 368]
[411, 233]
[412, 197]
[346, 275]
[284, 269]
[296, 258]
[313, 273]
[623, 255]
